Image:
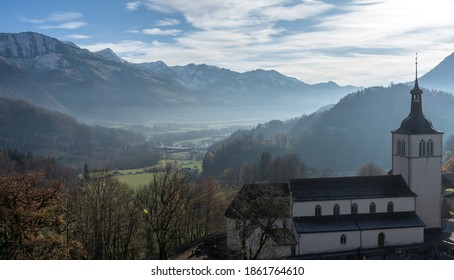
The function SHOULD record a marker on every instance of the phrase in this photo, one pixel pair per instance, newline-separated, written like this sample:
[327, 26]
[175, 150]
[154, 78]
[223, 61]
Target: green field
[135, 181]
[136, 178]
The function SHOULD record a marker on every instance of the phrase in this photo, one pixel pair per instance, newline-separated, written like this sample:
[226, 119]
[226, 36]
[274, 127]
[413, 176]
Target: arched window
[354, 208]
[318, 210]
[390, 207]
[372, 208]
[422, 148]
[343, 239]
[430, 148]
[403, 148]
[336, 209]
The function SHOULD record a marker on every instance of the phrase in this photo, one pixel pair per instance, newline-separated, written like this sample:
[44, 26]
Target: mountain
[110, 55]
[342, 138]
[28, 128]
[100, 85]
[441, 77]
[63, 77]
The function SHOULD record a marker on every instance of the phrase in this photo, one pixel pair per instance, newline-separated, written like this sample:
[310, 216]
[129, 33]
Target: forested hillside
[31, 129]
[354, 132]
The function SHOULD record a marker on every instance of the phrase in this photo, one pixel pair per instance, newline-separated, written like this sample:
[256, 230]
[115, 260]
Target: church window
[403, 148]
[336, 209]
[237, 225]
[390, 206]
[372, 207]
[426, 149]
[354, 208]
[422, 148]
[318, 210]
[343, 239]
[430, 148]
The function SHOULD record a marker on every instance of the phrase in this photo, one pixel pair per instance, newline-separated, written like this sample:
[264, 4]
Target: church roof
[318, 224]
[416, 122]
[334, 188]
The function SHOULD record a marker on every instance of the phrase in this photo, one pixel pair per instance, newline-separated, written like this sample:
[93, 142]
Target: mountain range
[100, 85]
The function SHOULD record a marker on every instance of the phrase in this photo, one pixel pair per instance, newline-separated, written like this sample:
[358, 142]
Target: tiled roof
[333, 188]
[318, 224]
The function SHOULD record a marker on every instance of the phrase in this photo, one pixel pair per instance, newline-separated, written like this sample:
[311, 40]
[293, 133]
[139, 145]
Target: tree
[103, 215]
[448, 165]
[164, 202]
[264, 165]
[32, 221]
[256, 209]
[286, 167]
[370, 169]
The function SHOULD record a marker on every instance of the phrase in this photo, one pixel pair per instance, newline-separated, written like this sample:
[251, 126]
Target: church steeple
[416, 92]
[416, 122]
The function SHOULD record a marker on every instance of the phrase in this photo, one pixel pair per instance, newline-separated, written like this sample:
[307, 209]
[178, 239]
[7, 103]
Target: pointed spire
[416, 64]
[416, 91]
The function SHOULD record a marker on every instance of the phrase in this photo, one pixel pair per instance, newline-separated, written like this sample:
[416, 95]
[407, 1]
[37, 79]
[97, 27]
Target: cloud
[54, 17]
[358, 42]
[78, 36]
[157, 31]
[132, 6]
[168, 22]
[66, 25]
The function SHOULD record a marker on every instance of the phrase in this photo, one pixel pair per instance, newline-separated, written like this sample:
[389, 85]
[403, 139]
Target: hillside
[354, 132]
[441, 76]
[28, 128]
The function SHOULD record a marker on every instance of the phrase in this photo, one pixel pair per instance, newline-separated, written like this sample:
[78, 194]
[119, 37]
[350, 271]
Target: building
[321, 215]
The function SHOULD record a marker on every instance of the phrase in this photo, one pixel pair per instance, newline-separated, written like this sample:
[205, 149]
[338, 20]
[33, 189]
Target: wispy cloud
[60, 20]
[54, 17]
[78, 36]
[66, 25]
[168, 22]
[349, 42]
[132, 6]
[157, 31]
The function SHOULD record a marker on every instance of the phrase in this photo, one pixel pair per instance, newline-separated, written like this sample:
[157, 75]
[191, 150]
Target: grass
[136, 181]
[137, 178]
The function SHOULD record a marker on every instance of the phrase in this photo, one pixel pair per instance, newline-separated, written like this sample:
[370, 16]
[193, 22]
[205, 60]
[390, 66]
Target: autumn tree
[32, 222]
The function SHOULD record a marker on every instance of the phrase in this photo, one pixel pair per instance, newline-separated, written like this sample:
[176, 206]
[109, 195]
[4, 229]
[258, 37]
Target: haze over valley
[152, 98]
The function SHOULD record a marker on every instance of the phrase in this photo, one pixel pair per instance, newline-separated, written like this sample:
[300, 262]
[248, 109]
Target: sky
[356, 42]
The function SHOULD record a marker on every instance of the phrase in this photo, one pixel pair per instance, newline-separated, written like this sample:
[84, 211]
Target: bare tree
[256, 209]
[164, 201]
[370, 169]
[103, 216]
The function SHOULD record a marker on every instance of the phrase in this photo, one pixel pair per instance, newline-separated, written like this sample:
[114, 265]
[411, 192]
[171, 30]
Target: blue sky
[359, 42]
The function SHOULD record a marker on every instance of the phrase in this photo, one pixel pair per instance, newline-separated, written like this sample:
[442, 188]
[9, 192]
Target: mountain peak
[27, 45]
[109, 54]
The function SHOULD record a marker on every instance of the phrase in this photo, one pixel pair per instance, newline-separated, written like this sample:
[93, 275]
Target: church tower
[417, 156]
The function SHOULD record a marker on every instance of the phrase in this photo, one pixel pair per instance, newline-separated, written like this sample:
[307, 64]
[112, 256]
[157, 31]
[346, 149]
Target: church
[335, 214]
